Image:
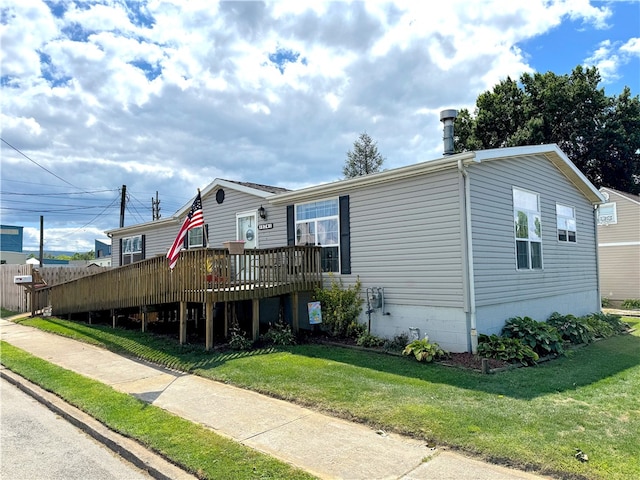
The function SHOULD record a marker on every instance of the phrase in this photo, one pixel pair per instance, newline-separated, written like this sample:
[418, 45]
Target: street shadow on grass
[157, 349]
[581, 367]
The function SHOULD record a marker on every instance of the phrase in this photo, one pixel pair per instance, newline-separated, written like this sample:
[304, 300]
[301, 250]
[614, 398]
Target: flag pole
[204, 231]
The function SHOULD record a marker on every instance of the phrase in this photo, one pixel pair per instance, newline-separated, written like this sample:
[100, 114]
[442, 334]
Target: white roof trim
[555, 156]
[341, 186]
[620, 194]
[132, 229]
[551, 151]
[140, 227]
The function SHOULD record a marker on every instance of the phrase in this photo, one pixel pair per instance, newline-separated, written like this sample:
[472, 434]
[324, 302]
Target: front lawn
[533, 417]
[191, 446]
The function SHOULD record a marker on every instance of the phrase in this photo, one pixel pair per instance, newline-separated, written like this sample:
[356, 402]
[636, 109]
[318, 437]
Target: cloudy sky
[167, 95]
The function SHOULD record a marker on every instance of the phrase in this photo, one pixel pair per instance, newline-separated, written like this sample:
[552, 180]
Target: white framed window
[566, 221]
[195, 237]
[132, 249]
[528, 229]
[607, 214]
[317, 223]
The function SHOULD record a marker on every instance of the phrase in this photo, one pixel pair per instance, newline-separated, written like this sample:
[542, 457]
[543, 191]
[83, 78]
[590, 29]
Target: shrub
[543, 338]
[341, 307]
[279, 333]
[506, 349]
[605, 325]
[599, 327]
[423, 350]
[355, 330]
[238, 338]
[368, 340]
[605, 302]
[631, 304]
[572, 329]
[397, 343]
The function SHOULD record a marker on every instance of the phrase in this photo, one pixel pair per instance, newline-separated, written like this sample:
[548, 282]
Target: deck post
[208, 308]
[256, 318]
[295, 320]
[114, 318]
[183, 323]
[226, 319]
[145, 318]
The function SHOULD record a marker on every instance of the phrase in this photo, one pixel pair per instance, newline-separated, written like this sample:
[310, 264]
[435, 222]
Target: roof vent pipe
[448, 117]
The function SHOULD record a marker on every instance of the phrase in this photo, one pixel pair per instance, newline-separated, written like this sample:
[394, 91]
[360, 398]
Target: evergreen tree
[364, 158]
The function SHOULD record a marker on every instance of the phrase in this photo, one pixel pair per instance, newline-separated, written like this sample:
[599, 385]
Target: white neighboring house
[619, 246]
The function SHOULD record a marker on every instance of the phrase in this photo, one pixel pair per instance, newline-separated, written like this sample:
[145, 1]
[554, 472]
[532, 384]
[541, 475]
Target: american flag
[194, 219]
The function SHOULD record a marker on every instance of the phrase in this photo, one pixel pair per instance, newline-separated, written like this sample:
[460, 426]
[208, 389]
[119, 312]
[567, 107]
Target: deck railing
[200, 275]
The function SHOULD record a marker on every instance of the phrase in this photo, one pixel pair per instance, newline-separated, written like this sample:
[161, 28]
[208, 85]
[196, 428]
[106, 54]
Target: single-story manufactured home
[449, 248]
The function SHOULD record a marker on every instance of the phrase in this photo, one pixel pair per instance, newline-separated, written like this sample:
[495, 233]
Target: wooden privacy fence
[201, 275]
[14, 297]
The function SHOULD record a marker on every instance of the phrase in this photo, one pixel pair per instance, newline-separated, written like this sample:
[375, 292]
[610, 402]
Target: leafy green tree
[600, 134]
[364, 158]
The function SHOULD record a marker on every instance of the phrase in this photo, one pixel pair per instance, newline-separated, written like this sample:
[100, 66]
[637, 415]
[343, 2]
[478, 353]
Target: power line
[40, 210]
[91, 221]
[63, 194]
[36, 163]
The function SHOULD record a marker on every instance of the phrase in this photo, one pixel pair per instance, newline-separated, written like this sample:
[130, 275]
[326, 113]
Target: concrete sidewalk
[299, 436]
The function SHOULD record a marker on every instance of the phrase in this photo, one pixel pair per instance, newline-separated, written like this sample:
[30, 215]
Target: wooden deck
[204, 276]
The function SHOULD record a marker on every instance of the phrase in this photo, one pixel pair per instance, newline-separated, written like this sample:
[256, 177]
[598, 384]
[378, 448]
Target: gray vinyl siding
[277, 236]
[406, 237]
[567, 267]
[221, 221]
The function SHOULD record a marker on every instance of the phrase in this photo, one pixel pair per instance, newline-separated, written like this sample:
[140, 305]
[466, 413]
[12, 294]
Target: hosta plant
[506, 349]
[572, 329]
[423, 350]
[543, 338]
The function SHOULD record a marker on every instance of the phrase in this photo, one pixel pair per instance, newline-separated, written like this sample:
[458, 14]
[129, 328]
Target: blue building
[102, 250]
[11, 238]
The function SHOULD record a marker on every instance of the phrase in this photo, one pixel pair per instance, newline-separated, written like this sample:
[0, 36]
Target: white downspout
[597, 241]
[469, 244]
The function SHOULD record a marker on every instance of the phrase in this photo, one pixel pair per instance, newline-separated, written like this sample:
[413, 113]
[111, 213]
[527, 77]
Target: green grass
[192, 446]
[530, 417]
[4, 313]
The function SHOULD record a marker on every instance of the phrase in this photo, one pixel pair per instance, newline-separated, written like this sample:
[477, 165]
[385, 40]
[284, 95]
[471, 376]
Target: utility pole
[123, 201]
[155, 208]
[41, 243]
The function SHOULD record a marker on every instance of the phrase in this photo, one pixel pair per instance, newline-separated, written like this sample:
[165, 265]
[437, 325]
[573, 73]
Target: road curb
[154, 464]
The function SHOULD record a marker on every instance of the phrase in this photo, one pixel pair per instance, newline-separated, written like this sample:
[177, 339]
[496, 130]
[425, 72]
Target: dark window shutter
[185, 240]
[121, 258]
[345, 236]
[144, 247]
[291, 226]
[205, 235]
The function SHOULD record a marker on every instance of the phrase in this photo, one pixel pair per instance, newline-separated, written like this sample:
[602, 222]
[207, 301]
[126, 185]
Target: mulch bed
[467, 361]
[472, 362]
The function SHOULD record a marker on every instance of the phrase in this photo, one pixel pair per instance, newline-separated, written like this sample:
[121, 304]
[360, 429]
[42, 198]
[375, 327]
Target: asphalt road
[37, 444]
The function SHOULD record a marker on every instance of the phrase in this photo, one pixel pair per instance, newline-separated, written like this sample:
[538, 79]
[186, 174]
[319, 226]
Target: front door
[247, 229]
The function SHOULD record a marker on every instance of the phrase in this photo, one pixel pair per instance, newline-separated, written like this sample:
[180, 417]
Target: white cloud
[631, 47]
[610, 57]
[188, 91]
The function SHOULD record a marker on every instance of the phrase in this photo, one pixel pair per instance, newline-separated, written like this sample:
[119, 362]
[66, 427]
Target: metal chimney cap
[447, 114]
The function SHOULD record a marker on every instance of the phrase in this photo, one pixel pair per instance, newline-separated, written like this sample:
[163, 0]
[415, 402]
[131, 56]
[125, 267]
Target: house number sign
[265, 226]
